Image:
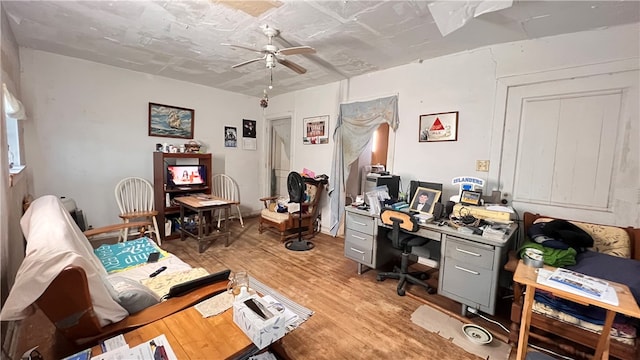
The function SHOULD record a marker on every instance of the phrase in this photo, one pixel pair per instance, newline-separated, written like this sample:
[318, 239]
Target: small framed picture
[316, 130]
[230, 136]
[424, 200]
[439, 127]
[468, 197]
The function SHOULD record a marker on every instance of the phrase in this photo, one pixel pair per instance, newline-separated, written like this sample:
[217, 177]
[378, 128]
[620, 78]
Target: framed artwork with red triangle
[439, 127]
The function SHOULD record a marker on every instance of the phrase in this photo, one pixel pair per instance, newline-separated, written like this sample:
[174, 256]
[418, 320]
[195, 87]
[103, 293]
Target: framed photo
[439, 127]
[230, 136]
[248, 128]
[170, 121]
[468, 197]
[424, 200]
[316, 130]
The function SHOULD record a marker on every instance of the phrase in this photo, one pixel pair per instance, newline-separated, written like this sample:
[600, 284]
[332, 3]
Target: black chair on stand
[403, 224]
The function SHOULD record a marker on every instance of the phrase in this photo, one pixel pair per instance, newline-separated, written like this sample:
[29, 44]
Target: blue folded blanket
[128, 254]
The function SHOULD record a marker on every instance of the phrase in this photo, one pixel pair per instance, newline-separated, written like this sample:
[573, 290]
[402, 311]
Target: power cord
[475, 311]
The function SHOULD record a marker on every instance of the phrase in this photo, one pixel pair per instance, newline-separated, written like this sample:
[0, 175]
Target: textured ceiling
[182, 39]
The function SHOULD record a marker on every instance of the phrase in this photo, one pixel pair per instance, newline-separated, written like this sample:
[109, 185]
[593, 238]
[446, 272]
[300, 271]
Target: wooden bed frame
[67, 303]
[561, 334]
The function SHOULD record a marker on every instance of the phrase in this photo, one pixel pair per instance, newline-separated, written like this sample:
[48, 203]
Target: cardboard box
[262, 332]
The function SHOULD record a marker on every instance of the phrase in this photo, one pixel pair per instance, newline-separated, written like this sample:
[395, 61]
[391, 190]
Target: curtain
[13, 107]
[356, 123]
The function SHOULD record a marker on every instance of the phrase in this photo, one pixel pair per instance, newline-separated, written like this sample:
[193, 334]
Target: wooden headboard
[634, 233]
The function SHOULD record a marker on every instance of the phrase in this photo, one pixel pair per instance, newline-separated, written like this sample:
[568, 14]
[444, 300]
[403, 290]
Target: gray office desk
[470, 265]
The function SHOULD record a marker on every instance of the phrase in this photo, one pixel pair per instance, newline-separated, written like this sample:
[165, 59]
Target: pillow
[132, 295]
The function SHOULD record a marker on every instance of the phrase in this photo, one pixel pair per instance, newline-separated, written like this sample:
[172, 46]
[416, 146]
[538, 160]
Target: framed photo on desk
[424, 200]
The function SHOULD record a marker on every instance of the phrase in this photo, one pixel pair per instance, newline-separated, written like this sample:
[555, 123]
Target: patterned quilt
[128, 254]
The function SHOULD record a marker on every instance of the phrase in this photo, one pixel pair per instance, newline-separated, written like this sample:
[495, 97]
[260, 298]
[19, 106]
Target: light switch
[482, 165]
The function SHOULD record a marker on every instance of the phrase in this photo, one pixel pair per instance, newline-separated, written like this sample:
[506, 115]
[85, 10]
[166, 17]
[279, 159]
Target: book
[586, 284]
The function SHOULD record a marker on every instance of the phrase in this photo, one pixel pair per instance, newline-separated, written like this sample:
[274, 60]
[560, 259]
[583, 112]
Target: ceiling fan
[272, 55]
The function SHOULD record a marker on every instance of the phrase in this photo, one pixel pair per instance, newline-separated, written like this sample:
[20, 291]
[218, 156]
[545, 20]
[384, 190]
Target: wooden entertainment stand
[160, 162]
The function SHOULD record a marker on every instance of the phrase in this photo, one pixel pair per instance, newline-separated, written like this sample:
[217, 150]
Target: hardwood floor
[355, 317]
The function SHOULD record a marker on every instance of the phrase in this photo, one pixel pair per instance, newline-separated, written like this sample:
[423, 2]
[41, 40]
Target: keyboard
[187, 286]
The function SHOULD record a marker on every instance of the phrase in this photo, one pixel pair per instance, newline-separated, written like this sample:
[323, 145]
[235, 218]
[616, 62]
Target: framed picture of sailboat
[170, 121]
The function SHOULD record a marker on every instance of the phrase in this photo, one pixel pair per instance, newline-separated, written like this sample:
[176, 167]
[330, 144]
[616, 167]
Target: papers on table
[215, 305]
[579, 284]
[212, 202]
[156, 348]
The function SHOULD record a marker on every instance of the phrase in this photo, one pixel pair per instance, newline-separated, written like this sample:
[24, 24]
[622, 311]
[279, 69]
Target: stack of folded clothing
[559, 240]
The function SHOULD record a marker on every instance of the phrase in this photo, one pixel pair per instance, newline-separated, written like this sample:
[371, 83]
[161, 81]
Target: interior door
[280, 156]
[570, 147]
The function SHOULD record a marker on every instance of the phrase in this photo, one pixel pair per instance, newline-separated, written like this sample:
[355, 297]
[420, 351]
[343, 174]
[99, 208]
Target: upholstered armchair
[285, 224]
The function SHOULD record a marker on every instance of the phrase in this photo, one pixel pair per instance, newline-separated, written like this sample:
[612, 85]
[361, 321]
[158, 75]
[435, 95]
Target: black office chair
[401, 238]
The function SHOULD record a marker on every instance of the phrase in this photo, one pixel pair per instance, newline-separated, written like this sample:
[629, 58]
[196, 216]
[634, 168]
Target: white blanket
[54, 242]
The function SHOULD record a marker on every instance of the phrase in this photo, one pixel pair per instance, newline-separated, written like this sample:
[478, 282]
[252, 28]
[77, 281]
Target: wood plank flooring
[355, 317]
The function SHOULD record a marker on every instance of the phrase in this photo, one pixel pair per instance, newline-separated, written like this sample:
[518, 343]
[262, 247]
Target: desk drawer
[358, 253]
[469, 253]
[429, 234]
[363, 241]
[466, 281]
[361, 223]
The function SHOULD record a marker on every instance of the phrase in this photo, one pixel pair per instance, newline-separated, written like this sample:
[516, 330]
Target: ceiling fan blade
[247, 62]
[242, 47]
[297, 50]
[293, 66]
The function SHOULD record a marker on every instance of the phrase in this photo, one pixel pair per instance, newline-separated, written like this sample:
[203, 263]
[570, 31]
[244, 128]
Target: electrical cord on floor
[475, 311]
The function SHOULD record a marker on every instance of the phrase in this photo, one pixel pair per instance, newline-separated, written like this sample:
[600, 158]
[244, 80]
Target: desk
[204, 210]
[193, 337]
[470, 265]
[527, 275]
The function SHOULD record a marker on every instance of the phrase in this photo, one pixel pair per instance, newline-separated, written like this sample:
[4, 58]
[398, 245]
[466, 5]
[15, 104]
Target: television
[186, 175]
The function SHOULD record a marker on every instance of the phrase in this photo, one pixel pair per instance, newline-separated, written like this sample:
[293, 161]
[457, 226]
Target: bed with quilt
[607, 252]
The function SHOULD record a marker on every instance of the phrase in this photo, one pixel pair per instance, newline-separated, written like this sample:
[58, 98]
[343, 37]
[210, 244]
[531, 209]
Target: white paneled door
[570, 147]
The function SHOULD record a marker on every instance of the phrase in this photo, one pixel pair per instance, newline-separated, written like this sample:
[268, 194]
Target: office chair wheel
[401, 292]
[379, 278]
[431, 290]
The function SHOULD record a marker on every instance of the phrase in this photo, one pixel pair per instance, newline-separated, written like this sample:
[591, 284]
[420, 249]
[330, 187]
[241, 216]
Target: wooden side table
[527, 276]
[204, 209]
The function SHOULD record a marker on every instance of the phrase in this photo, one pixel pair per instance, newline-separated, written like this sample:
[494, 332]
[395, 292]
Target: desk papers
[156, 348]
[578, 284]
[212, 202]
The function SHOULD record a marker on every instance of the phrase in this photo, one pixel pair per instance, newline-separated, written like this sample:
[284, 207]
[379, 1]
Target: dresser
[469, 265]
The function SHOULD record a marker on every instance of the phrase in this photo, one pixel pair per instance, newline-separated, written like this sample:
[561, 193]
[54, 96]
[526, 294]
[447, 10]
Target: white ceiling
[182, 39]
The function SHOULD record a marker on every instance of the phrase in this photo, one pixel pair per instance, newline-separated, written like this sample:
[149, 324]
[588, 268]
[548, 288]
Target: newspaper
[579, 284]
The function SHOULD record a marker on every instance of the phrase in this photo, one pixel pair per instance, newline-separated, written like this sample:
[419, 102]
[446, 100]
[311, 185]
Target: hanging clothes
[356, 123]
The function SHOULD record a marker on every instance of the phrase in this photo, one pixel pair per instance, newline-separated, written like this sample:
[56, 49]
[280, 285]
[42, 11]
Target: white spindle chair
[135, 200]
[225, 187]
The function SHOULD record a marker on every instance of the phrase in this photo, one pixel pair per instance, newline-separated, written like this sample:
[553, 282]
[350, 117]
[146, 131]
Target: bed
[614, 256]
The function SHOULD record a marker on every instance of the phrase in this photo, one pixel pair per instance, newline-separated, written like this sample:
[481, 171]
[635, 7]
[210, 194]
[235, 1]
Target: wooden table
[193, 337]
[205, 209]
[528, 275]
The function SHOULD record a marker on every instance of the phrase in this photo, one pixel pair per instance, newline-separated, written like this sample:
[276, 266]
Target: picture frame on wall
[230, 136]
[439, 127]
[171, 121]
[316, 130]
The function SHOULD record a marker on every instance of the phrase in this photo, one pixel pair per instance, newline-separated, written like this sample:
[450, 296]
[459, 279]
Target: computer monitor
[415, 184]
[392, 182]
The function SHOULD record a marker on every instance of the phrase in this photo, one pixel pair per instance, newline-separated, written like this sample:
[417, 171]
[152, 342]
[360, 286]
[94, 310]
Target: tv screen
[185, 175]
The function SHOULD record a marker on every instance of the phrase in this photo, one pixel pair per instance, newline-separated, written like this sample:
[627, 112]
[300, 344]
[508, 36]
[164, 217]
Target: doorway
[279, 157]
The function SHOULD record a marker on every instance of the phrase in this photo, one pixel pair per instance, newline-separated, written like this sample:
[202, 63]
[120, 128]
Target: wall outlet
[482, 165]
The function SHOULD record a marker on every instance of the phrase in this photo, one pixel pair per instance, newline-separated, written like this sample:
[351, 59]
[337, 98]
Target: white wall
[88, 129]
[464, 82]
